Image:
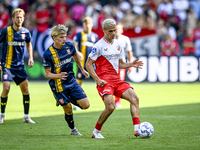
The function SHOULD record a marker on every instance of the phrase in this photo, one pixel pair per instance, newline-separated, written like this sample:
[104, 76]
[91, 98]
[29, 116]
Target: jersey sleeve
[94, 53]
[46, 61]
[73, 49]
[28, 37]
[121, 56]
[76, 38]
[128, 46]
[2, 35]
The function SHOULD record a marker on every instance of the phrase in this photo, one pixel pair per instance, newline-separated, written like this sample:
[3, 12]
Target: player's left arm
[136, 64]
[78, 62]
[30, 53]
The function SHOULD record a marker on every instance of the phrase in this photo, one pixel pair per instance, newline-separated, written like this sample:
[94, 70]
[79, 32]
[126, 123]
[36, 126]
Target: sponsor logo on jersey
[105, 49]
[63, 62]
[15, 43]
[23, 36]
[68, 51]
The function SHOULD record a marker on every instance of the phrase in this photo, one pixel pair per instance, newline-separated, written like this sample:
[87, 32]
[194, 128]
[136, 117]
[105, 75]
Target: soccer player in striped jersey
[57, 61]
[83, 41]
[107, 55]
[14, 38]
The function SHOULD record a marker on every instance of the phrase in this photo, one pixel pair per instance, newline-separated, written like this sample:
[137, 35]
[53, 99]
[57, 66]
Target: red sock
[136, 120]
[98, 126]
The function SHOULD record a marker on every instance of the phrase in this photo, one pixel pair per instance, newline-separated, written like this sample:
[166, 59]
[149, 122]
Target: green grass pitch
[172, 108]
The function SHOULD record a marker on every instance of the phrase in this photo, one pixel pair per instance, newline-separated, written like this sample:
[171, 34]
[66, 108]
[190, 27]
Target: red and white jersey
[126, 44]
[106, 56]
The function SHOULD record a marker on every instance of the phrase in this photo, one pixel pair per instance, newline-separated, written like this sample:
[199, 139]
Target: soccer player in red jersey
[107, 55]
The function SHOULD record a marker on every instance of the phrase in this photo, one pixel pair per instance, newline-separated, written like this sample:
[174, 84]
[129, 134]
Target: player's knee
[68, 109]
[136, 100]
[6, 89]
[111, 108]
[86, 106]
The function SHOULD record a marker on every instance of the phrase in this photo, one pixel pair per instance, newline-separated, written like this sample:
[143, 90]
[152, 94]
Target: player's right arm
[90, 69]
[50, 75]
[48, 69]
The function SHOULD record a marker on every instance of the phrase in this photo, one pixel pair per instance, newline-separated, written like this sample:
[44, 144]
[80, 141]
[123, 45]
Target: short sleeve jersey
[13, 47]
[60, 60]
[106, 56]
[85, 43]
[126, 44]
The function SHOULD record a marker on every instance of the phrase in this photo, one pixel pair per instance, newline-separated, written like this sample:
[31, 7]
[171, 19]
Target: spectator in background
[8, 7]
[169, 47]
[195, 4]
[93, 11]
[165, 9]
[77, 12]
[188, 43]
[124, 5]
[4, 17]
[181, 6]
[60, 4]
[174, 20]
[192, 18]
[62, 16]
[197, 39]
[171, 30]
[128, 20]
[151, 4]
[24, 4]
[43, 18]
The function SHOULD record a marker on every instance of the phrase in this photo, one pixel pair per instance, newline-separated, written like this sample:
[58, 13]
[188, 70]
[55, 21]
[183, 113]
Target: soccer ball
[146, 130]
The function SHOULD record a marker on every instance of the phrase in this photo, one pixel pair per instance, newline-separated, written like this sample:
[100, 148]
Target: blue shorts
[71, 95]
[17, 75]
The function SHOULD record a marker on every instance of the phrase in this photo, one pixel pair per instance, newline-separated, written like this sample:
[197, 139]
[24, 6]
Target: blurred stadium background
[165, 34]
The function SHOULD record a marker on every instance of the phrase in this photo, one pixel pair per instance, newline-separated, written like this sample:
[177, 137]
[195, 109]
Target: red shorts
[115, 87]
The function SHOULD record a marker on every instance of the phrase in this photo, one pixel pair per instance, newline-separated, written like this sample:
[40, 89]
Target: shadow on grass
[52, 132]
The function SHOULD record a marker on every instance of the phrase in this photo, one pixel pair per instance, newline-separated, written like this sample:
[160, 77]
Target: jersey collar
[107, 41]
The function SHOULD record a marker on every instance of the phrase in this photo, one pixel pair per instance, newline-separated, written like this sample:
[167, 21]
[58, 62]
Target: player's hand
[85, 73]
[101, 83]
[63, 75]
[137, 64]
[30, 63]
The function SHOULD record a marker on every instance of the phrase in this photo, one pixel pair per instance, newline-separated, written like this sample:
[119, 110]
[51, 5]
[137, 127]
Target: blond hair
[108, 23]
[18, 10]
[58, 29]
